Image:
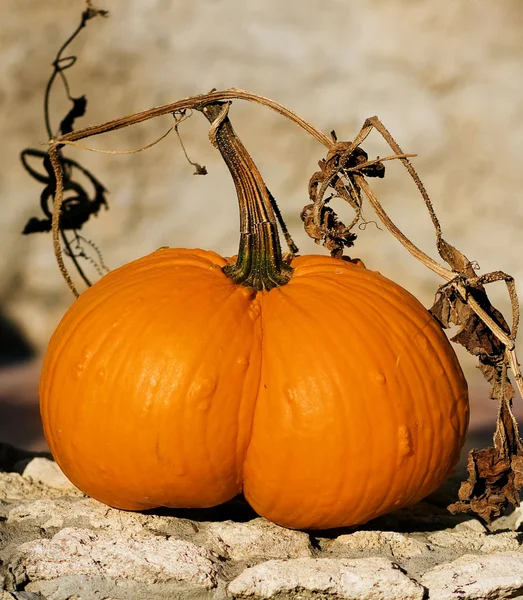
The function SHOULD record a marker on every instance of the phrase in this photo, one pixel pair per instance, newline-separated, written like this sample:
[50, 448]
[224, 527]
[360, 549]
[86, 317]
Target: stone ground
[57, 544]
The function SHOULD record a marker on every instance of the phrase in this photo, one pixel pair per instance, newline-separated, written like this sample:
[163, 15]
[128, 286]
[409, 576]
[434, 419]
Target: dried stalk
[193, 103]
[55, 226]
[134, 151]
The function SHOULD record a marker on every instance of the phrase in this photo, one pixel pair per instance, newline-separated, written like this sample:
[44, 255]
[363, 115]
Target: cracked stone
[137, 557]
[65, 512]
[490, 577]
[47, 472]
[357, 579]
[259, 538]
[391, 542]
[476, 541]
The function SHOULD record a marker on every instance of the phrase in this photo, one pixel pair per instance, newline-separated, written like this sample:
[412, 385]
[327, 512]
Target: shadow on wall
[19, 373]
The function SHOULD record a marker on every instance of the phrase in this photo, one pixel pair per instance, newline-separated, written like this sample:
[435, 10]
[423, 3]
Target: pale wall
[446, 77]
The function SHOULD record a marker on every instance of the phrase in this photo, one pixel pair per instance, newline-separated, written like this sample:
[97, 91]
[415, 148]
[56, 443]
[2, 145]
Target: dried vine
[79, 205]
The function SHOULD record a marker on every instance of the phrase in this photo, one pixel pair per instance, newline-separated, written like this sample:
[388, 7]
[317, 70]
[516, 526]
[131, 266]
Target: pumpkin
[328, 399]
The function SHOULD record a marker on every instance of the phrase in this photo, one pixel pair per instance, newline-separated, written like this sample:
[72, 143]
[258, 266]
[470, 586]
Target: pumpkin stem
[260, 263]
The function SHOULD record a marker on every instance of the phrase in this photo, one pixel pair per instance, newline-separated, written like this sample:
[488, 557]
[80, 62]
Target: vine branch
[79, 206]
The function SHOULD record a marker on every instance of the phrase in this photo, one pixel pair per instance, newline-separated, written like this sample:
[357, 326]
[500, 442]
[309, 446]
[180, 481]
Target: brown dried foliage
[321, 223]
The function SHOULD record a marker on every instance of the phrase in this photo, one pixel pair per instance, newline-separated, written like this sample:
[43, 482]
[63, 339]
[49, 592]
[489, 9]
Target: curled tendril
[80, 203]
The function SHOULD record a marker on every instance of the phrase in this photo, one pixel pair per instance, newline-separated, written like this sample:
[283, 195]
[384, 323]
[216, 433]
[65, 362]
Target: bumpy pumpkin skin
[149, 383]
[362, 407]
[330, 400]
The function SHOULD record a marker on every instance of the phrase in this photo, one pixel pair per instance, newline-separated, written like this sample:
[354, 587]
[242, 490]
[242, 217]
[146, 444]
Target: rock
[475, 541]
[57, 544]
[115, 556]
[20, 596]
[502, 542]
[47, 472]
[41, 477]
[513, 521]
[49, 514]
[390, 542]
[259, 538]
[471, 525]
[472, 577]
[357, 579]
[84, 587]
[13, 486]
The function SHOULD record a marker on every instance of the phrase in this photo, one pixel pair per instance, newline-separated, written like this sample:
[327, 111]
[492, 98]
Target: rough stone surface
[473, 541]
[137, 557]
[359, 579]
[260, 539]
[397, 544]
[53, 513]
[57, 544]
[14, 486]
[477, 578]
[43, 470]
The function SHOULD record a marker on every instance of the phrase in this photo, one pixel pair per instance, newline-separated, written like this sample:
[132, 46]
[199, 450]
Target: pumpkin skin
[328, 401]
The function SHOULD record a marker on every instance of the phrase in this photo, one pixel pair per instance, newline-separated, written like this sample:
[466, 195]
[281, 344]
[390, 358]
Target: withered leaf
[492, 371]
[337, 174]
[331, 231]
[492, 485]
[455, 259]
[496, 473]
[450, 308]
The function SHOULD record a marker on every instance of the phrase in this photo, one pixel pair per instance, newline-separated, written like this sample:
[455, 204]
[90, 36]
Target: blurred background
[445, 77]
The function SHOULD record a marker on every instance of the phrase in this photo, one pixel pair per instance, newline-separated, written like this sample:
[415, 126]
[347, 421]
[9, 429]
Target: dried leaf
[449, 308]
[331, 232]
[455, 259]
[495, 474]
[492, 369]
[494, 483]
[336, 173]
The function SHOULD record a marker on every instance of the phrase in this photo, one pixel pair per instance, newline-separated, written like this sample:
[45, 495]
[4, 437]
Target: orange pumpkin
[328, 400]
